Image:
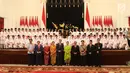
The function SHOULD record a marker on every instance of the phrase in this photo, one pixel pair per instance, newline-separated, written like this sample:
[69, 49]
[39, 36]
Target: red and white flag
[96, 20]
[26, 21]
[44, 16]
[20, 21]
[36, 21]
[93, 22]
[87, 16]
[108, 21]
[100, 21]
[129, 21]
[111, 21]
[105, 21]
[33, 22]
[30, 21]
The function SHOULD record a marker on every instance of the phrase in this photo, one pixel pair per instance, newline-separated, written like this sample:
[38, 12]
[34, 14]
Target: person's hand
[59, 50]
[30, 50]
[75, 52]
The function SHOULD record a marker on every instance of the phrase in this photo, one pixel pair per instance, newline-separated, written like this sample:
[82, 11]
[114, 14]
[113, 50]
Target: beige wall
[1, 8]
[119, 9]
[13, 9]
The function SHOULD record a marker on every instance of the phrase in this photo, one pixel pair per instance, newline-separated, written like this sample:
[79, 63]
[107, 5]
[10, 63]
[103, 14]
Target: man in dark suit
[60, 53]
[98, 54]
[75, 54]
[90, 54]
[39, 53]
[128, 39]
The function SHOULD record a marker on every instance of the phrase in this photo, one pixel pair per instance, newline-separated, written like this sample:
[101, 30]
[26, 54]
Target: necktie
[38, 47]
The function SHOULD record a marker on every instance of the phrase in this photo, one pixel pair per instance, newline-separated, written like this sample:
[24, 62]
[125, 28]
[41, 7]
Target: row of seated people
[108, 41]
[60, 54]
[12, 37]
[75, 32]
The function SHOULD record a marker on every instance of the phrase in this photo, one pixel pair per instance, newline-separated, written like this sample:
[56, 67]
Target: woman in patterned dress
[53, 53]
[46, 54]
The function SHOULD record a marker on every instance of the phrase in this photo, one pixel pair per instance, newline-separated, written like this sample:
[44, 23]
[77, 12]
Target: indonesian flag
[20, 21]
[96, 20]
[108, 21]
[111, 21]
[93, 22]
[36, 20]
[105, 21]
[44, 16]
[26, 21]
[23, 20]
[129, 21]
[33, 22]
[87, 16]
[100, 21]
[30, 21]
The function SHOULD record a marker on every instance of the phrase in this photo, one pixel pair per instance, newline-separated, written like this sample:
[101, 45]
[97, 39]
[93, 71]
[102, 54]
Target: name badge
[39, 52]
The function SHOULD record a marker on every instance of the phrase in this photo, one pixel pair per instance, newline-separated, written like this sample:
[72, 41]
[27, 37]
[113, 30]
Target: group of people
[82, 47]
[18, 37]
[60, 54]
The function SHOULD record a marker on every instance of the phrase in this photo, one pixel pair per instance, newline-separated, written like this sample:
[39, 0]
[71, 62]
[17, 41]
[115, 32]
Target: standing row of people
[60, 54]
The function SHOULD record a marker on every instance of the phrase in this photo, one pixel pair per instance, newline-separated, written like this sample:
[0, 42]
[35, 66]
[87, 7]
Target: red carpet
[47, 72]
[68, 72]
[63, 69]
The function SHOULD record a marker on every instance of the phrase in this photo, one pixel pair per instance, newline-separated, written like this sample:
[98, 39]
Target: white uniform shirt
[94, 40]
[13, 43]
[8, 44]
[116, 43]
[105, 42]
[19, 43]
[30, 47]
[35, 40]
[123, 42]
[23, 42]
[111, 43]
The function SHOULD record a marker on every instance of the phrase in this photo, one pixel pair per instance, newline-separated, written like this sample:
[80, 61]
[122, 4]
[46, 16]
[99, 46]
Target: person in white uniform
[123, 44]
[18, 42]
[23, 41]
[7, 42]
[111, 42]
[105, 42]
[116, 42]
[13, 42]
[2, 39]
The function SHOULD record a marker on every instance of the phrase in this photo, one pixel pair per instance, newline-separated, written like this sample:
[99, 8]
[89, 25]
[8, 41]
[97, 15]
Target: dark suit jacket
[59, 47]
[75, 50]
[36, 48]
[90, 49]
[128, 42]
[98, 47]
